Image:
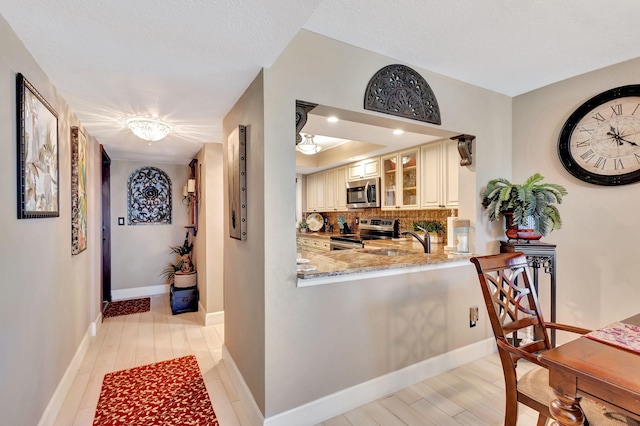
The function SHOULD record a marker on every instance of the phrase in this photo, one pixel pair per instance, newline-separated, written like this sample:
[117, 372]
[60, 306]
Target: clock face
[600, 142]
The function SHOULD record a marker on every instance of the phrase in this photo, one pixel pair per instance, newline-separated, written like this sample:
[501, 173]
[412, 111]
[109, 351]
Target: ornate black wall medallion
[149, 196]
[302, 109]
[399, 90]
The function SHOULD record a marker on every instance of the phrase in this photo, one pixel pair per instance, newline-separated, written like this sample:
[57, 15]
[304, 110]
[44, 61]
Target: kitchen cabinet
[439, 187]
[364, 169]
[401, 180]
[315, 192]
[326, 191]
[313, 242]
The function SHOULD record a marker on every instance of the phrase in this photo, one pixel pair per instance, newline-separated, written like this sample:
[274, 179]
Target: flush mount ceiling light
[308, 146]
[149, 129]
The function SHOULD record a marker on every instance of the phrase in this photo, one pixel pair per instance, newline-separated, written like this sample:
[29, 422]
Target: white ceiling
[188, 61]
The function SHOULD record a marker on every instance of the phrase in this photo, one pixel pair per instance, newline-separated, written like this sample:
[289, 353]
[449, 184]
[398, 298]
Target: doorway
[106, 227]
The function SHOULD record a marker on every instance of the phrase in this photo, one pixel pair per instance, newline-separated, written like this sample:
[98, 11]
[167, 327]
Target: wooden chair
[521, 332]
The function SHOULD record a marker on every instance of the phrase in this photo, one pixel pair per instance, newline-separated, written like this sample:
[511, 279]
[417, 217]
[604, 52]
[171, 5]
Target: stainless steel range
[370, 229]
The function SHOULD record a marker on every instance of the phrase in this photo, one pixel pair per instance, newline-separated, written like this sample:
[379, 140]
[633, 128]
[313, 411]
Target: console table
[539, 255]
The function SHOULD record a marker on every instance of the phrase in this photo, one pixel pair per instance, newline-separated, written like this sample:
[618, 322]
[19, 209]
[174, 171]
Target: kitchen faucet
[426, 242]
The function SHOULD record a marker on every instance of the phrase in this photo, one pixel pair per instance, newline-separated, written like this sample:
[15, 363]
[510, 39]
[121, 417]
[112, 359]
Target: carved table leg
[566, 410]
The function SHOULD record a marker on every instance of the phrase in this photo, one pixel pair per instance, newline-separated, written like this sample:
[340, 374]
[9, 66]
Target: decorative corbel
[464, 148]
[302, 109]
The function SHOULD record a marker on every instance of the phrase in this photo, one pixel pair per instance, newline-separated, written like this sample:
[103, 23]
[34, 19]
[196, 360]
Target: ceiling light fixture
[149, 129]
[308, 146]
[332, 119]
[398, 132]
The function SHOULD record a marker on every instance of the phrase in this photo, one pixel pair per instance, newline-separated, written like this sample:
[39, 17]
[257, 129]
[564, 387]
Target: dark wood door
[106, 227]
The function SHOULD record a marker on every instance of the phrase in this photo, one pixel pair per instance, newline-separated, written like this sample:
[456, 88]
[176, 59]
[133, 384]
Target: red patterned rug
[165, 393]
[127, 307]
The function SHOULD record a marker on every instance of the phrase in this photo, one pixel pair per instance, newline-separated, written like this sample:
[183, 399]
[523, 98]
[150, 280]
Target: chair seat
[535, 384]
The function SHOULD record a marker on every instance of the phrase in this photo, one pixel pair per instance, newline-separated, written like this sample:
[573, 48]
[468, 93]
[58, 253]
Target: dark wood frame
[30, 173]
[237, 175]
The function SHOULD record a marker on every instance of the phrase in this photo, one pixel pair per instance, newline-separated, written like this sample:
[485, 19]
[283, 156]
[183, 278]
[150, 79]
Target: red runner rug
[127, 307]
[165, 393]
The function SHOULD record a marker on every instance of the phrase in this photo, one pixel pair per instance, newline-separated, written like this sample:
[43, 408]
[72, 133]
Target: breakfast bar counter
[317, 265]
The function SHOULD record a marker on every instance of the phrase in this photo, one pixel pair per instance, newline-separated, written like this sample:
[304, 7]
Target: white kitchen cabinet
[326, 191]
[364, 169]
[439, 187]
[401, 180]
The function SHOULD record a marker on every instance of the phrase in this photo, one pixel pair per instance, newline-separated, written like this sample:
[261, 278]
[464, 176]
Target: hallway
[472, 394]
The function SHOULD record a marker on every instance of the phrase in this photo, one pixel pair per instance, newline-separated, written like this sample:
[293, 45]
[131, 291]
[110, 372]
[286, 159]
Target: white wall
[49, 297]
[139, 253]
[323, 339]
[597, 245]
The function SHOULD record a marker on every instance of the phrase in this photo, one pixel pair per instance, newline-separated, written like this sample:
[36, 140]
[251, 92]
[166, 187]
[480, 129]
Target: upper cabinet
[326, 191]
[439, 188]
[401, 180]
[364, 169]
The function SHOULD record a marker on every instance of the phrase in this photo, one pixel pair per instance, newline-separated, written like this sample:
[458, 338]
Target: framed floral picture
[38, 175]
[78, 191]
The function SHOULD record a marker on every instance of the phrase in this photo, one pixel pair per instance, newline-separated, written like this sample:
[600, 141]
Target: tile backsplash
[407, 217]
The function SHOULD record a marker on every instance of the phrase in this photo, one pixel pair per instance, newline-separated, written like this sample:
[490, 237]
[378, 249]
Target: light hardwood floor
[472, 394]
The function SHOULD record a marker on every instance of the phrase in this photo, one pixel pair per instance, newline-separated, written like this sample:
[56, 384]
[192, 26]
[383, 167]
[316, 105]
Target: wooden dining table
[603, 372]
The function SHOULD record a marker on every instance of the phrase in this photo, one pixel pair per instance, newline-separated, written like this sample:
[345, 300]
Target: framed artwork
[78, 191]
[149, 197]
[38, 174]
[237, 176]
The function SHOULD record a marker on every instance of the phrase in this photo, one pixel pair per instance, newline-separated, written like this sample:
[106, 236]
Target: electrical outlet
[473, 316]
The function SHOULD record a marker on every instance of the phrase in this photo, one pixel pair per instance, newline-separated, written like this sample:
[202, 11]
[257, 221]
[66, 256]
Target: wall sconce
[188, 192]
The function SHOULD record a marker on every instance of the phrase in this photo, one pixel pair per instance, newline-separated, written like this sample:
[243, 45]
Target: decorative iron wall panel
[399, 90]
[149, 196]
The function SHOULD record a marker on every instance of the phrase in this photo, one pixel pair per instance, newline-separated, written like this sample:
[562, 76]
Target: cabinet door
[451, 168]
[431, 194]
[330, 190]
[408, 179]
[320, 196]
[372, 168]
[312, 197]
[341, 189]
[389, 182]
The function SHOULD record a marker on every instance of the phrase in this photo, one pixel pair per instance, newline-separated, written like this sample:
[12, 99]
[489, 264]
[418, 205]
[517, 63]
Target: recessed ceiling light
[398, 131]
[332, 119]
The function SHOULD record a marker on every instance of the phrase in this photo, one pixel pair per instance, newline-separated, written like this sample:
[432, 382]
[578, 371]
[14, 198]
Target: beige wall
[209, 250]
[597, 246]
[49, 297]
[244, 261]
[320, 340]
[139, 253]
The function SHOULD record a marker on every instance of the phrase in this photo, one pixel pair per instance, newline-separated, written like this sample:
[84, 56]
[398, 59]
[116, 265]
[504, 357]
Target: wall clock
[600, 142]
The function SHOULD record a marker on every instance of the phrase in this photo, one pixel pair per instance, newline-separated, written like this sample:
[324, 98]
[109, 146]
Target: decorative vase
[182, 280]
[514, 232]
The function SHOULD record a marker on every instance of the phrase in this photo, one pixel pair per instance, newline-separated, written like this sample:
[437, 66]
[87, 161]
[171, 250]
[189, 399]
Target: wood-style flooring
[472, 394]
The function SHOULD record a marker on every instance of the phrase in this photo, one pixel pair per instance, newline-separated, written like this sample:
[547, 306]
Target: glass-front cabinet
[401, 180]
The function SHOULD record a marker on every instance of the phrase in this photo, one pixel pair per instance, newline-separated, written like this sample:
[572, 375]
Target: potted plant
[183, 273]
[434, 228]
[303, 225]
[527, 205]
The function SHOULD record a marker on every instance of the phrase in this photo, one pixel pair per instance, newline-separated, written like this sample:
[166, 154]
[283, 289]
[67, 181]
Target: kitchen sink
[389, 252]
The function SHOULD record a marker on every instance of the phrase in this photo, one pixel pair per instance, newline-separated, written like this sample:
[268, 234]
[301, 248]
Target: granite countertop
[407, 252]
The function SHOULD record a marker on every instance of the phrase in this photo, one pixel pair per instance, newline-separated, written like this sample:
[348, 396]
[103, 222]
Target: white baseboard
[57, 399]
[131, 293]
[347, 399]
[212, 318]
[252, 411]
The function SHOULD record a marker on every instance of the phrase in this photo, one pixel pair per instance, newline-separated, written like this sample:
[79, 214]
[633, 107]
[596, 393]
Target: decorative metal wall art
[78, 191]
[237, 169]
[399, 90]
[38, 176]
[149, 196]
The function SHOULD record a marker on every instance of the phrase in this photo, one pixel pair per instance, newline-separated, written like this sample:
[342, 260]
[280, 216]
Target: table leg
[566, 410]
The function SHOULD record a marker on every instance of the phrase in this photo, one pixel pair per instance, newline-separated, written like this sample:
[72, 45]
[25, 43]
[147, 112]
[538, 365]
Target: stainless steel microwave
[363, 193]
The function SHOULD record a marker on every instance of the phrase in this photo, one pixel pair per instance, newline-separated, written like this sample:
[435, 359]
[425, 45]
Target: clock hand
[619, 138]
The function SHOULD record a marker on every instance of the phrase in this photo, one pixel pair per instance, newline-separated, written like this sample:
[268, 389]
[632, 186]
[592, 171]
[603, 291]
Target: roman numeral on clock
[600, 163]
[617, 164]
[616, 110]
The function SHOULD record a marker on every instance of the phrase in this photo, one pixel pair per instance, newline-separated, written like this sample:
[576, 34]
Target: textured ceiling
[188, 61]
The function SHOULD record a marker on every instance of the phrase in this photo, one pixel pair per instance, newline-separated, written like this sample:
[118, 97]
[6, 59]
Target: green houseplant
[434, 228]
[303, 225]
[531, 204]
[182, 273]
